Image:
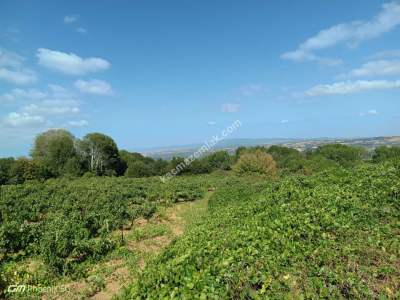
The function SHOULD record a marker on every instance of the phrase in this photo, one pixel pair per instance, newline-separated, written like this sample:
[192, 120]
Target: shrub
[382, 153]
[288, 160]
[257, 162]
[138, 169]
[344, 155]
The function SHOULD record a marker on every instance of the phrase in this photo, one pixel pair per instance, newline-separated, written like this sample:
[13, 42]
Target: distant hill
[301, 144]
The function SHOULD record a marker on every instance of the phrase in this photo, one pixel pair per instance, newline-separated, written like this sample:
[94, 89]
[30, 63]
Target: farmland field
[67, 225]
[332, 234]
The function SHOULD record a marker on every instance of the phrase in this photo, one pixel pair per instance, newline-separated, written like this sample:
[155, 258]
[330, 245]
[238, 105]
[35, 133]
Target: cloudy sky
[159, 73]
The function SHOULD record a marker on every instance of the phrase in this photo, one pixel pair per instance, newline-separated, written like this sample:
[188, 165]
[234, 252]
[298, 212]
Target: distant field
[300, 144]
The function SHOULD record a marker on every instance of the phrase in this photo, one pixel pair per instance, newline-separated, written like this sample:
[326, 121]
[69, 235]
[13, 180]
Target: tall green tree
[5, 167]
[53, 149]
[101, 154]
[219, 160]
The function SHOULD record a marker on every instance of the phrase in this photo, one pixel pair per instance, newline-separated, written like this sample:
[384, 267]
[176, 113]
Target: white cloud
[70, 63]
[302, 56]
[52, 107]
[12, 71]
[70, 19]
[56, 101]
[18, 77]
[94, 86]
[284, 121]
[15, 119]
[10, 59]
[350, 87]
[80, 123]
[81, 30]
[371, 112]
[16, 94]
[230, 107]
[351, 33]
[211, 123]
[376, 68]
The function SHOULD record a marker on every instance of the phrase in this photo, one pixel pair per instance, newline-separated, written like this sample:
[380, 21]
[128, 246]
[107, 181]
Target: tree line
[57, 153]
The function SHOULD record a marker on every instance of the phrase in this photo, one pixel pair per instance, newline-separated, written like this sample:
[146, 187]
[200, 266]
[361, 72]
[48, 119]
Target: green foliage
[101, 154]
[5, 167]
[288, 160]
[331, 235]
[218, 160]
[74, 167]
[66, 241]
[344, 155]
[138, 165]
[256, 162]
[138, 169]
[24, 169]
[383, 153]
[53, 149]
[69, 222]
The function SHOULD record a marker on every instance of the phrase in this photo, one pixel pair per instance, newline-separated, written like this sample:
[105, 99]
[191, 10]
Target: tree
[383, 153]
[344, 155]
[240, 150]
[5, 167]
[101, 154]
[288, 159]
[53, 149]
[160, 166]
[199, 166]
[133, 161]
[256, 162]
[138, 169]
[178, 165]
[74, 167]
[218, 160]
[24, 169]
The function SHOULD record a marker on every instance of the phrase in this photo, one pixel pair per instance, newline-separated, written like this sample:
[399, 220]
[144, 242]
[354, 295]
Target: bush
[344, 155]
[288, 160]
[383, 153]
[257, 162]
[5, 167]
[138, 169]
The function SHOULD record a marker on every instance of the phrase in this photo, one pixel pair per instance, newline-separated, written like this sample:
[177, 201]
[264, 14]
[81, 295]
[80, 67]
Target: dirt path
[143, 241]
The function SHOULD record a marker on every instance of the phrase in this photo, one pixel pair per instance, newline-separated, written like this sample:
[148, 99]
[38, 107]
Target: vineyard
[68, 224]
[331, 235]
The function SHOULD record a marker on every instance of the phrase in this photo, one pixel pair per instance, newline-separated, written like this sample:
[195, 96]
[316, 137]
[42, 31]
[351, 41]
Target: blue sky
[159, 73]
